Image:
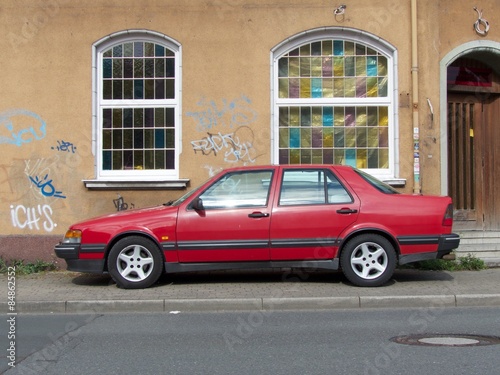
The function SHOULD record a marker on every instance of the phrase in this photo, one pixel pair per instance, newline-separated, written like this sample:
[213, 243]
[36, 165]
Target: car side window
[303, 187]
[238, 190]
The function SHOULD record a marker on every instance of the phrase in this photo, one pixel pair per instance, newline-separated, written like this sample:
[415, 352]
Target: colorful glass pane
[357, 134]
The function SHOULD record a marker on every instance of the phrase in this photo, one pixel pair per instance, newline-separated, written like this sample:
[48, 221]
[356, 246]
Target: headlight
[73, 236]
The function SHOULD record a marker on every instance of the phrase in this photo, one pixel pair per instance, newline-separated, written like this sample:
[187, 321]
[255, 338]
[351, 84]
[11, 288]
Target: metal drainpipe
[414, 76]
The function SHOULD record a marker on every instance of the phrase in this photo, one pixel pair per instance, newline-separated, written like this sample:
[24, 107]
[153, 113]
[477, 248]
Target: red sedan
[315, 217]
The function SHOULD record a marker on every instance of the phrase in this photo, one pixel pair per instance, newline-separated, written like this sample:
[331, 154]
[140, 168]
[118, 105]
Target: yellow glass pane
[316, 66]
[383, 158]
[383, 116]
[361, 66]
[305, 66]
[305, 87]
[294, 156]
[327, 48]
[361, 159]
[283, 87]
[338, 88]
[372, 137]
[305, 137]
[284, 138]
[350, 137]
[361, 137]
[338, 67]
[317, 156]
[294, 116]
[349, 48]
[317, 116]
[361, 116]
[327, 137]
[382, 66]
[305, 50]
[327, 87]
[339, 156]
[338, 116]
[372, 87]
[294, 67]
[350, 87]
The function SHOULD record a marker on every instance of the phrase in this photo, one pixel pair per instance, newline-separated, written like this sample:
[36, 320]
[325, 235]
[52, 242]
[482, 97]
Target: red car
[315, 217]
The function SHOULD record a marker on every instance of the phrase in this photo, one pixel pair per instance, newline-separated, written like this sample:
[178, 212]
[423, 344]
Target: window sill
[136, 185]
[395, 182]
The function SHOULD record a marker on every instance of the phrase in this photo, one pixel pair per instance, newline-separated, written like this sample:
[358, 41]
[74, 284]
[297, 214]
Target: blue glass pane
[159, 138]
[139, 89]
[371, 66]
[117, 51]
[328, 116]
[317, 91]
[294, 138]
[138, 49]
[107, 68]
[106, 160]
[159, 50]
[338, 47]
[350, 157]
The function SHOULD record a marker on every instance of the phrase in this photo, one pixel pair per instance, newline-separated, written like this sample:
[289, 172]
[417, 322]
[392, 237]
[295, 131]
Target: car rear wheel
[135, 262]
[368, 260]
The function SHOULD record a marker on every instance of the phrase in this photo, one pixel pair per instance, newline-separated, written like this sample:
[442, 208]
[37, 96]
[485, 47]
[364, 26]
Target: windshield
[376, 183]
[185, 196]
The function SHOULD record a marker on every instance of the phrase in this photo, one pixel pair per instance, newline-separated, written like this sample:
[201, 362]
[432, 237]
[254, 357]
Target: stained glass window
[332, 69]
[138, 108]
[333, 105]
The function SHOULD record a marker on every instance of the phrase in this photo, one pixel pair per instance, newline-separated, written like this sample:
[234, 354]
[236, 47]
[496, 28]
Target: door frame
[460, 51]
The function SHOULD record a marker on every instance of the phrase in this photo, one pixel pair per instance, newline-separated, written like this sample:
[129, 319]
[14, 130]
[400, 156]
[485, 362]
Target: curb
[254, 304]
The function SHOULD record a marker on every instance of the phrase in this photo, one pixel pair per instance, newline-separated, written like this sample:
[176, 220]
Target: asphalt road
[256, 342]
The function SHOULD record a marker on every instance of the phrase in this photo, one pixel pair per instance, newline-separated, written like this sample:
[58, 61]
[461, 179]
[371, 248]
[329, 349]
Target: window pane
[327, 134]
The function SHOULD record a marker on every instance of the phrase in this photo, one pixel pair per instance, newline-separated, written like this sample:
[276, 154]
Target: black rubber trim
[327, 264]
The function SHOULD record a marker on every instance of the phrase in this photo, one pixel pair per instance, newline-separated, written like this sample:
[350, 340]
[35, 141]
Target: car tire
[368, 260]
[135, 262]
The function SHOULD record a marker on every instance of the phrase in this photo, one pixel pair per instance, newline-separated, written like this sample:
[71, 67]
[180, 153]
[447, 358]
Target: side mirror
[198, 204]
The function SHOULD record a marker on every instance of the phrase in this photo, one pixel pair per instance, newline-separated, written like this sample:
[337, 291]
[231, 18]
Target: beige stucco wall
[45, 71]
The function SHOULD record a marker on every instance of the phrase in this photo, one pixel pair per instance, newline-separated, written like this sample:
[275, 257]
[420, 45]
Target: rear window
[376, 183]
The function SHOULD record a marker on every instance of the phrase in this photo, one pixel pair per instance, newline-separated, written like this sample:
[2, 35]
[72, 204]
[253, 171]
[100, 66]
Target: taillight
[448, 216]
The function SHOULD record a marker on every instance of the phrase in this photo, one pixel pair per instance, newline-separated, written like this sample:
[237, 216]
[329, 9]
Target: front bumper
[70, 252]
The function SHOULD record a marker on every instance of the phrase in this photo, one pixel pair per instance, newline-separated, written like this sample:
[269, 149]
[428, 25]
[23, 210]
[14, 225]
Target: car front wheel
[368, 260]
[135, 262]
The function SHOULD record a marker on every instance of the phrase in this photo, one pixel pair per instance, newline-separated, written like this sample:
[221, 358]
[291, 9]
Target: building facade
[110, 105]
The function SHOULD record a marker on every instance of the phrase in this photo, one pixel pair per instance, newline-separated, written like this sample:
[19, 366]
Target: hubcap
[369, 260]
[135, 263]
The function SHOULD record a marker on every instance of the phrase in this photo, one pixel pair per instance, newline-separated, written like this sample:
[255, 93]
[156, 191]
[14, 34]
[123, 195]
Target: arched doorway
[473, 133]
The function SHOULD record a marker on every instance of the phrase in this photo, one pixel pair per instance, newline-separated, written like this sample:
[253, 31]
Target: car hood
[128, 216]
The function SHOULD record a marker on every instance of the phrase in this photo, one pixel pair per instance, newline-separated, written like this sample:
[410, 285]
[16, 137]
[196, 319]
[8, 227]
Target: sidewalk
[70, 292]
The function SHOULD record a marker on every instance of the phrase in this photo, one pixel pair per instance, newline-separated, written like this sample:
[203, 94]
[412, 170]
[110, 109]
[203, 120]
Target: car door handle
[345, 211]
[256, 215]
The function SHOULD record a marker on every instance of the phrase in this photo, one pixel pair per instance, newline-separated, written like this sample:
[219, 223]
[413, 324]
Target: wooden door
[473, 166]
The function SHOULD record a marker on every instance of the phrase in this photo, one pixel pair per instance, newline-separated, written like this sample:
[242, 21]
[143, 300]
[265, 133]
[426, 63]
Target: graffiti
[229, 114]
[65, 147]
[234, 149]
[46, 187]
[23, 119]
[120, 204]
[32, 217]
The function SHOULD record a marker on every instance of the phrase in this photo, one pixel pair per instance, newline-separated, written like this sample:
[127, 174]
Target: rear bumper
[69, 252]
[446, 244]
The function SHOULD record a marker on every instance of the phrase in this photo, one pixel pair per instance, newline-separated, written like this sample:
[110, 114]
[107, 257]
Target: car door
[228, 221]
[311, 210]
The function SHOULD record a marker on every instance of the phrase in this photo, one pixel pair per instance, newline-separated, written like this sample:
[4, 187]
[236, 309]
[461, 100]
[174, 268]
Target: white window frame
[351, 35]
[98, 104]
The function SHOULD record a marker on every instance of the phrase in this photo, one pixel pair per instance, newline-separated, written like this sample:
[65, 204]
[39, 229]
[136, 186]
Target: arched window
[137, 111]
[333, 98]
